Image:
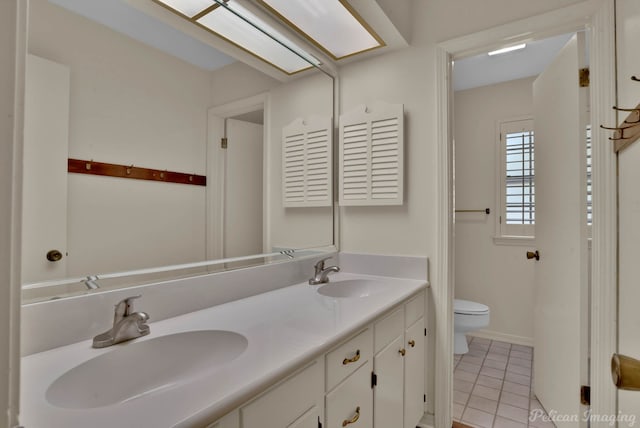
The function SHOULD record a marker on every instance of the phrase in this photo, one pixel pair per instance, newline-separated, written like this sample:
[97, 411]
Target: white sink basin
[132, 370]
[353, 288]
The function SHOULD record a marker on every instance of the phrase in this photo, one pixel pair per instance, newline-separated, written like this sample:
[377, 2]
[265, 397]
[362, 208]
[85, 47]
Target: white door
[560, 274]
[388, 365]
[243, 189]
[414, 374]
[628, 32]
[46, 140]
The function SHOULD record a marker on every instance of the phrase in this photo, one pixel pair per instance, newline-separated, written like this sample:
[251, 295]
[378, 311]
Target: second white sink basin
[132, 370]
[352, 288]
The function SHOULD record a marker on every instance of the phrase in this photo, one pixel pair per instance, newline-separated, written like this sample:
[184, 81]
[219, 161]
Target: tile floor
[492, 386]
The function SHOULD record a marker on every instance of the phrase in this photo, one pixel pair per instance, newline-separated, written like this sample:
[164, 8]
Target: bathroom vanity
[347, 353]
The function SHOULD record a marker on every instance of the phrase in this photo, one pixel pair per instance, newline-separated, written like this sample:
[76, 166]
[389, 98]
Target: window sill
[521, 241]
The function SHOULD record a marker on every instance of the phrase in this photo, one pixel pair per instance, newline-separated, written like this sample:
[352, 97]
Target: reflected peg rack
[91, 167]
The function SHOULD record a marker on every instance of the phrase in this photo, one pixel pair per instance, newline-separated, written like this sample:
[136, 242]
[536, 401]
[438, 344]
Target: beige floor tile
[472, 368]
[525, 371]
[484, 404]
[520, 379]
[470, 359]
[520, 354]
[501, 422]
[483, 391]
[463, 375]
[499, 350]
[457, 411]
[520, 362]
[516, 388]
[515, 400]
[497, 357]
[489, 381]
[501, 344]
[477, 418]
[462, 385]
[500, 365]
[460, 397]
[488, 371]
[514, 413]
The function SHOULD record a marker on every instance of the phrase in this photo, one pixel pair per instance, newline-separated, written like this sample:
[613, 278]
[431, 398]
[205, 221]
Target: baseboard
[503, 337]
[426, 421]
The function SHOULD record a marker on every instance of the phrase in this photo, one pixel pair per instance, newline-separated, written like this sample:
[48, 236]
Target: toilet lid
[467, 307]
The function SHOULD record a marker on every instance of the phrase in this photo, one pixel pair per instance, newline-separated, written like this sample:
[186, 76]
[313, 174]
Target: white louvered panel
[371, 155]
[306, 163]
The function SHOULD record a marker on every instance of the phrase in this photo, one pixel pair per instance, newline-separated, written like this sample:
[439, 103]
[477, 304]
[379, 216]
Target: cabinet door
[387, 395]
[308, 420]
[414, 374]
[350, 403]
[287, 402]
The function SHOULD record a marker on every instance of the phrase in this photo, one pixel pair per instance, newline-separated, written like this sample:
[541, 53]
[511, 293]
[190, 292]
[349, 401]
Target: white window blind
[306, 163]
[589, 180]
[517, 185]
[372, 155]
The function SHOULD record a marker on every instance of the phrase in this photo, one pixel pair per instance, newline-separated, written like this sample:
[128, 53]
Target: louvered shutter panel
[306, 163]
[372, 155]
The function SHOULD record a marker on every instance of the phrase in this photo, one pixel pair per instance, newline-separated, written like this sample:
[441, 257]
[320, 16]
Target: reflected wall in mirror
[109, 83]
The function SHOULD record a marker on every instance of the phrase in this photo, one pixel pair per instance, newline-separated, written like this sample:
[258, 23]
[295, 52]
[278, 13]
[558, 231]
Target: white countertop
[285, 329]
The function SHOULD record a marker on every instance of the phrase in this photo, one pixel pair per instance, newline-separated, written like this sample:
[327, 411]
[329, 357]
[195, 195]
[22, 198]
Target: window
[517, 212]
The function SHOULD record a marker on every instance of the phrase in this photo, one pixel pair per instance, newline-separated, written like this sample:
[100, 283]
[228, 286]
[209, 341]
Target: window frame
[509, 234]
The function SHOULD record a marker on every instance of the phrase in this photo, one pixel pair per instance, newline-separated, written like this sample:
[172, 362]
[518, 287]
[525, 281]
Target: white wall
[497, 275]
[130, 104]
[296, 227]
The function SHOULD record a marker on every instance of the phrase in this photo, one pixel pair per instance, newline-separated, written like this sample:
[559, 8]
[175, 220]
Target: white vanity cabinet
[399, 391]
[374, 379]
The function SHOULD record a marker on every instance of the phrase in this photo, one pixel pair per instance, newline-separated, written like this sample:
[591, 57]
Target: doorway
[600, 19]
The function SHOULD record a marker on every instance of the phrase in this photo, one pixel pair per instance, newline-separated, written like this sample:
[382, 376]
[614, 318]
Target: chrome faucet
[321, 275]
[127, 325]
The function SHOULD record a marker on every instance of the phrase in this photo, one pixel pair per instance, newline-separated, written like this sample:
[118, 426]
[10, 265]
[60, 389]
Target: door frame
[216, 161]
[599, 17]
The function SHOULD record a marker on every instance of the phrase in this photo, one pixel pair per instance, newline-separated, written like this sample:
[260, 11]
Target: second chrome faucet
[321, 275]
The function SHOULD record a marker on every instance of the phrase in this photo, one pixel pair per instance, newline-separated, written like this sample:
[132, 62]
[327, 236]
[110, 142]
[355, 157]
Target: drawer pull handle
[412, 343]
[402, 351]
[351, 360]
[353, 420]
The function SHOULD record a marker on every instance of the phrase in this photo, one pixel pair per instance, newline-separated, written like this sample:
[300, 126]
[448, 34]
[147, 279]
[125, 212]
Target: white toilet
[467, 316]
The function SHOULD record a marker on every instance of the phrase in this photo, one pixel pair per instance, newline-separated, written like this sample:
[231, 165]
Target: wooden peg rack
[629, 130]
[79, 166]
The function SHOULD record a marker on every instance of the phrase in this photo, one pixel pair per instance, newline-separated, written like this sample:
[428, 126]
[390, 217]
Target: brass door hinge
[224, 142]
[585, 395]
[583, 74]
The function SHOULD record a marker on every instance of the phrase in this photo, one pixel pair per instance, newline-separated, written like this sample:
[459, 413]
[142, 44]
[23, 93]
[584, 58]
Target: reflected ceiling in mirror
[109, 83]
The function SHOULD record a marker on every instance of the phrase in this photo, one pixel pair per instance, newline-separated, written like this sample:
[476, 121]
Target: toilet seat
[466, 307]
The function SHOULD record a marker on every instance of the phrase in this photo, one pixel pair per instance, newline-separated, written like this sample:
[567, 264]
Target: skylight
[332, 25]
[238, 25]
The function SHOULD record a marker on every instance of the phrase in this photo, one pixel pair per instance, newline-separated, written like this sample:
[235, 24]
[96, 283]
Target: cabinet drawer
[388, 329]
[352, 399]
[414, 309]
[288, 401]
[346, 358]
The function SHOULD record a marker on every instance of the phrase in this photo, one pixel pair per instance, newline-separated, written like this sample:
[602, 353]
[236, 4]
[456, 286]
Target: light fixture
[332, 25]
[508, 49]
[238, 25]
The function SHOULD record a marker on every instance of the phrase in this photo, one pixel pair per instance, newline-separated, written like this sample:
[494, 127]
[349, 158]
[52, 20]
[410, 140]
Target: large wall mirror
[109, 83]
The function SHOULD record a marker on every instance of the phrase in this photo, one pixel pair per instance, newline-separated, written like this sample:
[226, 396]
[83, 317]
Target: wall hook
[619, 139]
[634, 78]
[626, 109]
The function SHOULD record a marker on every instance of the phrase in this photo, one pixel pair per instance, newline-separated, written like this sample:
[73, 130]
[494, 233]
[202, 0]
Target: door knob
[533, 255]
[625, 372]
[54, 255]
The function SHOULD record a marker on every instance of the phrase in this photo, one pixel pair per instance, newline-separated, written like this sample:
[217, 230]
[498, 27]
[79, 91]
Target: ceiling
[483, 70]
[120, 16]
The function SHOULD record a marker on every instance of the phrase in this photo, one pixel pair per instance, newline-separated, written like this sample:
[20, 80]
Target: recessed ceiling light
[332, 25]
[508, 49]
[238, 25]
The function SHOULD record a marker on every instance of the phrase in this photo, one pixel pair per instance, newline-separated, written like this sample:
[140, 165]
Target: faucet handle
[124, 308]
[320, 264]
